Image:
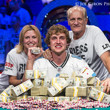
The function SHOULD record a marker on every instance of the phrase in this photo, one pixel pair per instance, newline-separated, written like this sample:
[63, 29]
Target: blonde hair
[20, 46]
[57, 29]
[82, 9]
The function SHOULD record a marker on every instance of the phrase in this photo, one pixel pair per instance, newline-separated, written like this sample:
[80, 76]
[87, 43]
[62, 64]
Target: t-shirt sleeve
[101, 43]
[10, 66]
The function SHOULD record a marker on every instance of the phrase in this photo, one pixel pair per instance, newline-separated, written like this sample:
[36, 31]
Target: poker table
[74, 109]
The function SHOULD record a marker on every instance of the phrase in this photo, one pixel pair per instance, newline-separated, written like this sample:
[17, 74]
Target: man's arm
[105, 57]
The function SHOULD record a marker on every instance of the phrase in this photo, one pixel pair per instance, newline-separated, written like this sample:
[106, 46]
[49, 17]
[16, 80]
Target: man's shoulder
[92, 27]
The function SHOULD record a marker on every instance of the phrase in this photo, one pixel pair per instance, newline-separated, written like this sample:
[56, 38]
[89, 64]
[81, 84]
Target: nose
[31, 39]
[58, 40]
[76, 21]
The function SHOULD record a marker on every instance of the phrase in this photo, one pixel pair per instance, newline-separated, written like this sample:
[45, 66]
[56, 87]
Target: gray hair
[69, 11]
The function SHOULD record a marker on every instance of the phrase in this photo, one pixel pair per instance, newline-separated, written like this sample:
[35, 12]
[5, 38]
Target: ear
[67, 45]
[49, 45]
[86, 20]
[68, 21]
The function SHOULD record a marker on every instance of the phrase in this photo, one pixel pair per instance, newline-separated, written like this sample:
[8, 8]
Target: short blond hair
[20, 46]
[82, 9]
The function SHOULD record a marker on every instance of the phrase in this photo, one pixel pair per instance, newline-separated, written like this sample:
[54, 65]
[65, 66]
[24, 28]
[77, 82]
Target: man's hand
[47, 54]
[106, 84]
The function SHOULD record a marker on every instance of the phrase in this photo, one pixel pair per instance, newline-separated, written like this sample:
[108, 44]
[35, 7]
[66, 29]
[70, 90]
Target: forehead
[76, 13]
[30, 32]
[58, 35]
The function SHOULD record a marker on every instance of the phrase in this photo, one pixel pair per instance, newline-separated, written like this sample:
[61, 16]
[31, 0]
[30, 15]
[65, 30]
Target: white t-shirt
[90, 47]
[70, 65]
[15, 64]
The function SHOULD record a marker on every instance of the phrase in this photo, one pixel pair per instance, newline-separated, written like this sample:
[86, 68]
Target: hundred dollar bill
[70, 81]
[40, 98]
[4, 99]
[80, 81]
[7, 91]
[47, 82]
[100, 88]
[38, 91]
[75, 99]
[32, 74]
[24, 96]
[106, 99]
[77, 81]
[38, 82]
[96, 94]
[58, 84]
[74, 91]
[36, 50]
[93, 81]
[59, 99]
[64, 75]
[21, 88]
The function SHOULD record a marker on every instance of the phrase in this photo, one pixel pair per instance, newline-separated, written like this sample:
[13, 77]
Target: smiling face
[58, 43]
[30, 40]
[77, 22]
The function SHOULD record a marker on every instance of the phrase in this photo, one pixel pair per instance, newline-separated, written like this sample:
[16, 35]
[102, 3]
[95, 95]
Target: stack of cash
[80, 81]
[100, 88]
[38, 82]
[74, 91]
[35, 74]
[47, 82]
[75, 99]
[58, 84]
[23, 87]
[77, 81]
[64, 75]
[32, 74]
[19, 97]
[42, 74]
[4, 98]
[70, 81]
[93, 81]
[40, 98]
[59, 99]
[35, 50]
[7, 91]
[106, 99]
[37, 91]
[96, 94]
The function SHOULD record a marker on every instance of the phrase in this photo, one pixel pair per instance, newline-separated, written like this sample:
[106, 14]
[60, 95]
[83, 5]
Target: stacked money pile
[75, 88]
[5, 95]
[21, 88]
